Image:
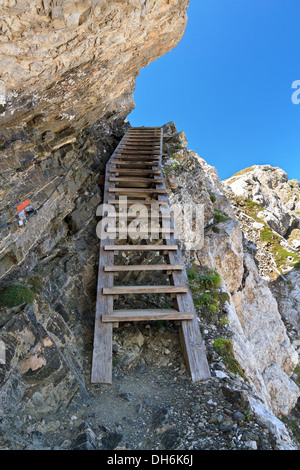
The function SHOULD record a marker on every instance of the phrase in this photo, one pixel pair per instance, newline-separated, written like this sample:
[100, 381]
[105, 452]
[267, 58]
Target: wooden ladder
[134, 172]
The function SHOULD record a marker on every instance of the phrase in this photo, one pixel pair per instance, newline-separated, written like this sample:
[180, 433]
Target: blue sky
[228, 84]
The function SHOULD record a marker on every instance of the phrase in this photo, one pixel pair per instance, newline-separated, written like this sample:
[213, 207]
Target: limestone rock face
[259, 336]
[66, 63]
[269, 186]
[287, 292]
[267, 340]
[267, 205]
[224, 252]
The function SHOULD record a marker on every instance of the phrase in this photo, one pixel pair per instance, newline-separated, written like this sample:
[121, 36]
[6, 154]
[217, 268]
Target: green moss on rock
[279, 252]
[207, 295]
[36, 285]
[224, 348]
[267, 235]
[219, 216]
[243, 172]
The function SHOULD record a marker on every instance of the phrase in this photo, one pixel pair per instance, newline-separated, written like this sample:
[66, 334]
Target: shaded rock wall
[36, 179]
[65, 66]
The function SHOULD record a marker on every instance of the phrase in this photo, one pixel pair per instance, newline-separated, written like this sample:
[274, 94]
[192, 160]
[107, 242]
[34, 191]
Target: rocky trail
[149, 406]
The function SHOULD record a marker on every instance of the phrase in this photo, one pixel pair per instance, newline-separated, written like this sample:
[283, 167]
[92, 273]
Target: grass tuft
[12, 296]
[205, 290]
[224, 348]
[219, 216]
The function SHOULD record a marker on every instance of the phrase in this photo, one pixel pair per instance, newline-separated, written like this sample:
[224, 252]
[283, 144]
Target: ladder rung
[154, 137]
[135, 162]
[144, 134]
[138, 152]
[138, 156]
[132, 171]
[149, 217]
[131, 202]
[144, 267]
[146, 315]
[136, 190]
[143, 140]
[119, 290]
[134, 148]
[132, 179]
[129, 150]
[142, 230]
[144, 129]
[140, 247]
[137, 146]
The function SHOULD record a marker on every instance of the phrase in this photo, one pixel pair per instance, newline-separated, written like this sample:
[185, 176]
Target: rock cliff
[66, 66]
[267, 206]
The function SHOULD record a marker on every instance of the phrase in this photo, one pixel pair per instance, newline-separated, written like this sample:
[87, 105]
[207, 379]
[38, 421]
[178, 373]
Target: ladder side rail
[102, 347]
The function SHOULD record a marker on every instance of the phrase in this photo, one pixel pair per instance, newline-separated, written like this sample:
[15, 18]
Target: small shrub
[297, 372]
[224, 320]
[208, 281]
[36, 285]
[219, 216]
[224, 348]
[172, 166]
[253, 209]
[158, 325]
[212, 308]
[224, 297]
[297, 266]
[191, 274]
[243, 172]
[203, 300]
[247, 416]
[176, 147]
[212, 197]
[267, 235]
[206, 293]
[12, 296]
[279, 252]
